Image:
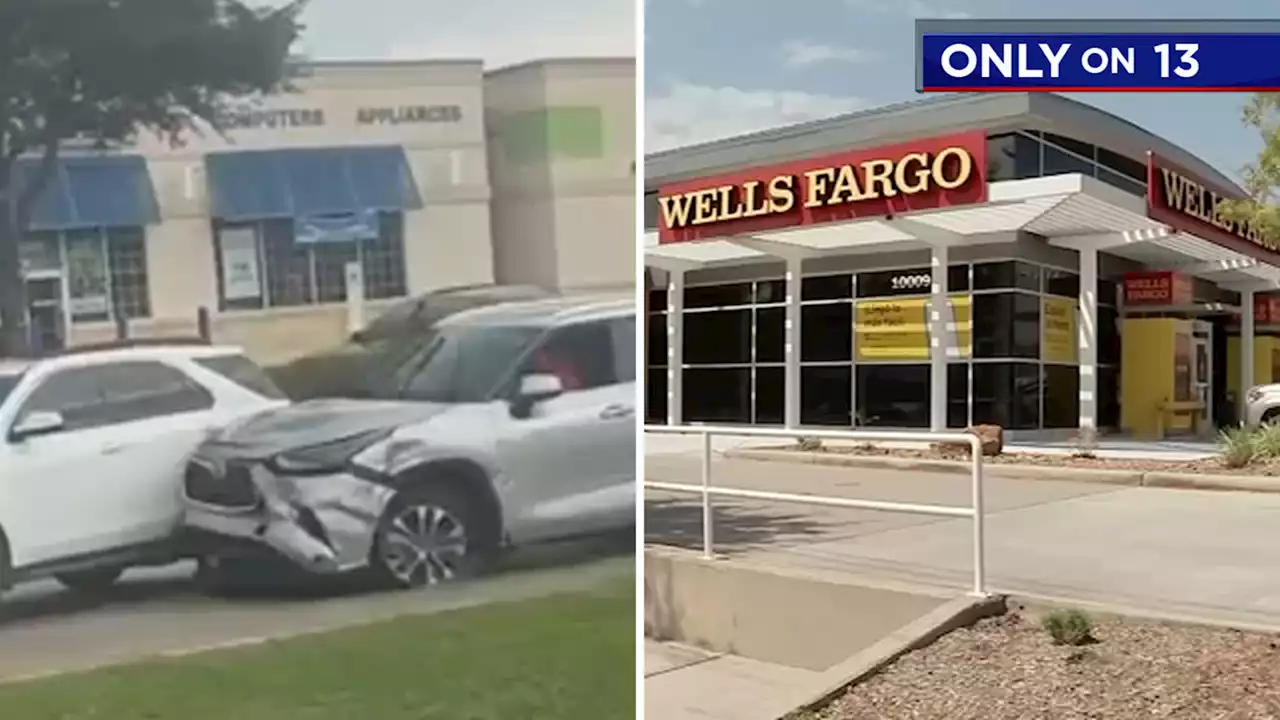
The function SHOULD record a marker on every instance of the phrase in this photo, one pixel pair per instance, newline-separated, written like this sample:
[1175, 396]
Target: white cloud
[689, 113]
[913, 8]
[802, 53]
[501, 32]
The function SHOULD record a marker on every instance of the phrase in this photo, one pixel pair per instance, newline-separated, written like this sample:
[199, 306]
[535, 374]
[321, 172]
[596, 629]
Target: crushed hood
[315, 422]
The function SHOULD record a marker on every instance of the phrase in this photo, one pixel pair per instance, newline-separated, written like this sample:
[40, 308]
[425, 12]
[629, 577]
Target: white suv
[93, 450]
[1262, 404]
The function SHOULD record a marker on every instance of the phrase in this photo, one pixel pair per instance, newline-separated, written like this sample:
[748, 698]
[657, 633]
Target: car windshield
[7, 383]
[464, 363]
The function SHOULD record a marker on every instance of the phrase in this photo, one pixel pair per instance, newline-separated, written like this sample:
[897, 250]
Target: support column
[1246, 350]
[939, 340]
[675, 347]
[791, 373]
[1087, 339]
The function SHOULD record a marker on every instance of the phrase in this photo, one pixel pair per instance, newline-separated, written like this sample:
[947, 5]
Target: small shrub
[809, 444]
[1069, 627]
[1266, 442]
[1238, 447]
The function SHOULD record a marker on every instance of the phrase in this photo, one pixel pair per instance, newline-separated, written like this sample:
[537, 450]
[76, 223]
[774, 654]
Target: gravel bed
[1269, 468]
[1008, 668]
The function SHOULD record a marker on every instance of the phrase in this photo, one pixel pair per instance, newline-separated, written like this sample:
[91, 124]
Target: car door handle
[615, 412]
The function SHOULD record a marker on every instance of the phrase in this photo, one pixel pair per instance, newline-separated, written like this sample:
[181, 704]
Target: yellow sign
[1058, 336]
[899, 329]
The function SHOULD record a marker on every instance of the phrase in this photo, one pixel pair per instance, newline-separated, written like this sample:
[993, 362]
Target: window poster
[240, 277]
[87, 275]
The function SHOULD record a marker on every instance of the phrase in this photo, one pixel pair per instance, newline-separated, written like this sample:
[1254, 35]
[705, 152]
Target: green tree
[101, 71]
[1262, 177]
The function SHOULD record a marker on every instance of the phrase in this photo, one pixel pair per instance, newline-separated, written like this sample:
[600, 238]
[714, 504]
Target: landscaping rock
[991, 436]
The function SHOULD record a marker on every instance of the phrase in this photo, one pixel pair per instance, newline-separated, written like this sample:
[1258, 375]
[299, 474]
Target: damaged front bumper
[322, 524]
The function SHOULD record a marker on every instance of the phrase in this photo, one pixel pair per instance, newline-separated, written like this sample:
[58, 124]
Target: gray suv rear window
[243, 372]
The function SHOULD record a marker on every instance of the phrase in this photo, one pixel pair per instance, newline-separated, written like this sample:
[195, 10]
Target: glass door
[1202, 371]
[46, 321]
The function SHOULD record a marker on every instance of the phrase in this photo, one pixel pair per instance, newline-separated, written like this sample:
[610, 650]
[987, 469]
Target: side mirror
[37, 423]
[534, 389]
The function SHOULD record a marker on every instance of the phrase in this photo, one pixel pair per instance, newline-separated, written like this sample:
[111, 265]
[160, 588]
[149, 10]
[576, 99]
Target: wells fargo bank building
[1020, 259]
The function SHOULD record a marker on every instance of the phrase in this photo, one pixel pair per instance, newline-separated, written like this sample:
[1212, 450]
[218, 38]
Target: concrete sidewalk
[1213, 556]
[684, 683]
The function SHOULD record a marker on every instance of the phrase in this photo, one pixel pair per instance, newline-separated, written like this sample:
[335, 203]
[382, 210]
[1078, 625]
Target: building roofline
[922, 118]
[541, 63]
[361, 64]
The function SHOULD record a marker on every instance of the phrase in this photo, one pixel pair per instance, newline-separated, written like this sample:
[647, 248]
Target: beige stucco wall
[567, 222]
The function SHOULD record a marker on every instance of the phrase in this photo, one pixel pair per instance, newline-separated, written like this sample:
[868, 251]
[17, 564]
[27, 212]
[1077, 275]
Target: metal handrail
[976, 511]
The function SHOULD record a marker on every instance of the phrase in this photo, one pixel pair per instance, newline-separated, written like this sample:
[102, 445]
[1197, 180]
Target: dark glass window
[1108, 336]
[1107, 292]
[771, 291]
[1127, 184]
[127, 263]
[651, 210]
[957, 278]
[826, 332]
[1080, 148]
[958, 395]
[707, 296]
[1123, 165]
[658, 299]
[770, 396]
[1006, 275]
[657, 339]
[1012, 157]
[1006, 325]
[827, 287]
[1108, 397]
[1006, 394]
[1057, 162]
[770, 335]
[717, 337]
[893, 395]
[1061, 282]
[1061, 396]
[655, 394]
[825, 395]
[717, 395]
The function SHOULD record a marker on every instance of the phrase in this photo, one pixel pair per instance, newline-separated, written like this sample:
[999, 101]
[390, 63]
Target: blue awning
[92, 191]
[305, 182]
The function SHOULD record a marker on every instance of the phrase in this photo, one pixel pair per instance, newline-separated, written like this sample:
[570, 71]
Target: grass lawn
[569, 657]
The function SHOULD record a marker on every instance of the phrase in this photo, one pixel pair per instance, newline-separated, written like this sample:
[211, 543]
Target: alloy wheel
[424, 544]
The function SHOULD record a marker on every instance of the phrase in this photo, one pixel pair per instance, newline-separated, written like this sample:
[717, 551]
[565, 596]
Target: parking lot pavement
[155, 612]
[1209, 555]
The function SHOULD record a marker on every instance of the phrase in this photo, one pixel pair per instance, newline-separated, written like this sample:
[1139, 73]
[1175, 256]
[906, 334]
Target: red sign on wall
[1188, 203]
[877, 182]
[1266, 309]
[1157, 288]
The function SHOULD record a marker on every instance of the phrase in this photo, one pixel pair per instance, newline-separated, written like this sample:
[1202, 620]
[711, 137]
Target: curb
[1127, 478]
[919, 633]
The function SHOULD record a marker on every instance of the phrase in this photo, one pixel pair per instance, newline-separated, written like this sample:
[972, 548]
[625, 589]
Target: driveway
[1211, 555]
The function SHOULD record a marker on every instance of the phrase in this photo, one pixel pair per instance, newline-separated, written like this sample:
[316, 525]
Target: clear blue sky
[722, 67]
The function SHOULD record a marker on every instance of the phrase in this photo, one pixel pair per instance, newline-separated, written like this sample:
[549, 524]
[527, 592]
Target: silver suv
[514, 425]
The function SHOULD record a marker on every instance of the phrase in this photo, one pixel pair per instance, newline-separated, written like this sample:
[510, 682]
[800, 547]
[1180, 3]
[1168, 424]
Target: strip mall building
[1018, 259]
[424, 174]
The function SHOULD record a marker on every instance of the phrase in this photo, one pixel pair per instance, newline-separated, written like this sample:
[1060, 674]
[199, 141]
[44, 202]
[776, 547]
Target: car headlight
[327, 457]
[1254, 395]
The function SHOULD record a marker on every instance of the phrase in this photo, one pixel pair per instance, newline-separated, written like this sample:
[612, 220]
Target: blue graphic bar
[1098, 61]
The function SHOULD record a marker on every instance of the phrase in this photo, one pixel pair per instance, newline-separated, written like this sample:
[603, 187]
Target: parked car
[1262, 404]
[95, 445]
[514, 425]
[348, 370]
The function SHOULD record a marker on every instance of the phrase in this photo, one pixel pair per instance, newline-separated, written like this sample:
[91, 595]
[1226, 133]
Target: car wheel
[427, 536]
[90, 581]
[1270, 417]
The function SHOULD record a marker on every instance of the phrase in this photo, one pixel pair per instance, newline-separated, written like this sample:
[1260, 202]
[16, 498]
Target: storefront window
[718, 337]
[771, 334]
[827, 287]
[1083, 149]
[655, 391]
[1007, 394]
[657, 343]
[1060, 162]
[825, 395]
[826, 332]
[1006, 275]
[1108, 336]
[1108, 397]
[1125, 166]
[105, 271]
[87, 276]
[770, 395]
[958, 395]
[1012, 157]
[1061, 396]
[717, 395]
[710, 296]
[262, 264]
[893, 395]
[912, 281]
[1061, 282]
[770, 291]
[1006, 325]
